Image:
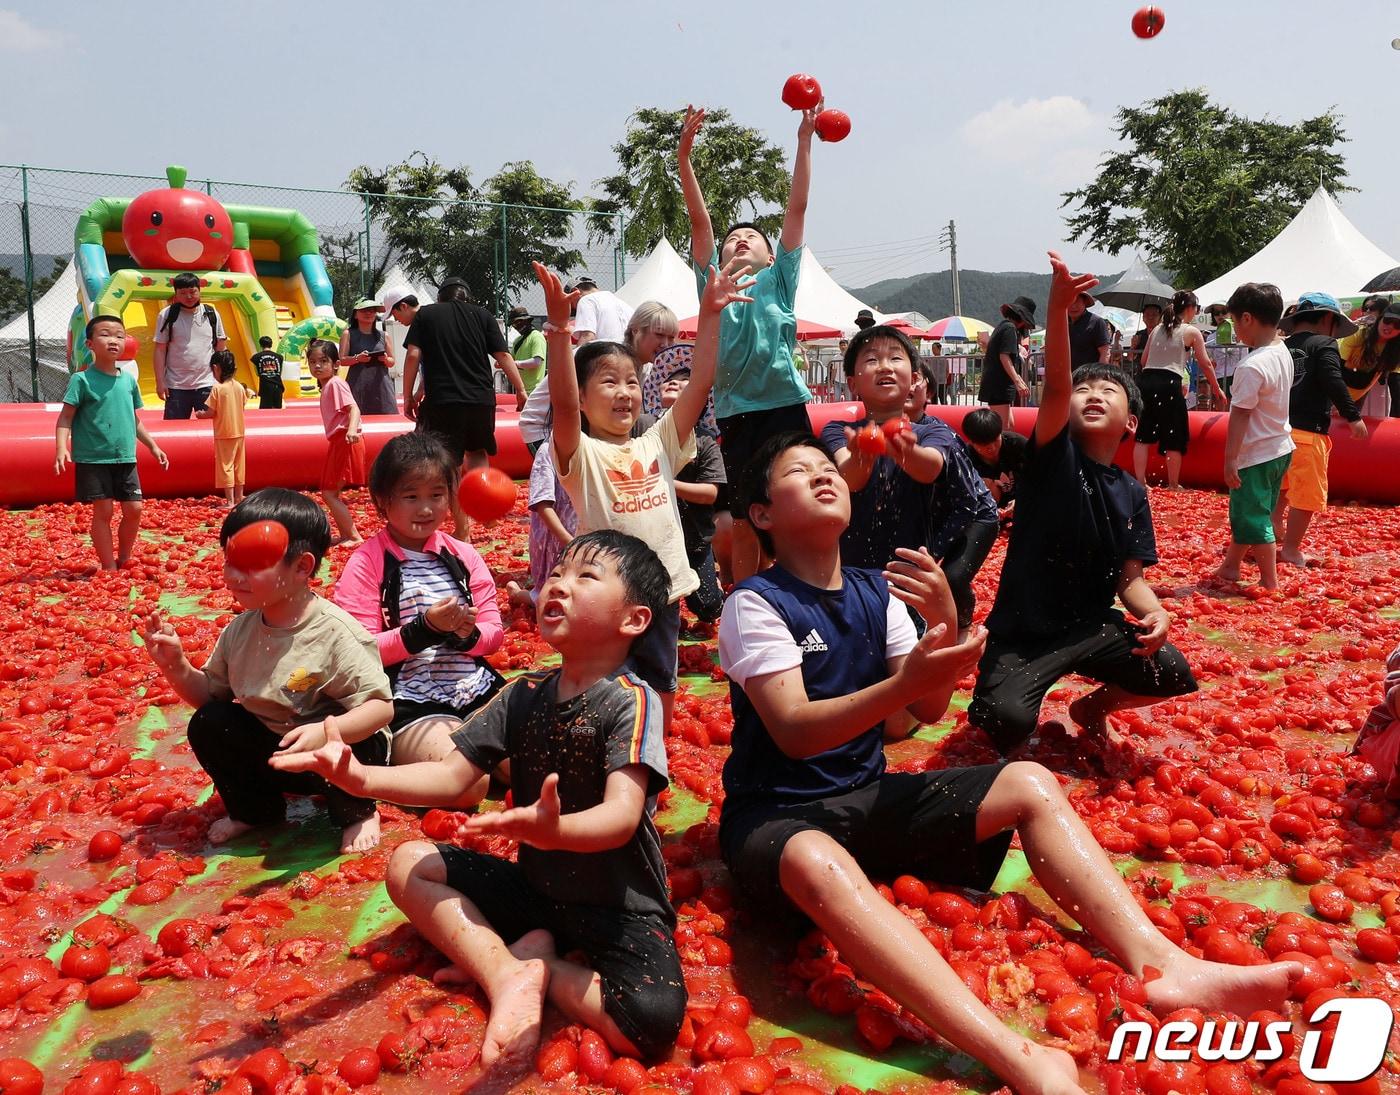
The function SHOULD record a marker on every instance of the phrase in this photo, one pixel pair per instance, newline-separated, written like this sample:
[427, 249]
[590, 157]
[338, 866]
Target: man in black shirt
[454, 341]
[1083, 534]
[1002, 382]
[1312, 330]
[1088, 334]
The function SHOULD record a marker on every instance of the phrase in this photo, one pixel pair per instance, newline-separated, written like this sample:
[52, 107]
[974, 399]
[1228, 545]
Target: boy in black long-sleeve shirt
[1318, 385]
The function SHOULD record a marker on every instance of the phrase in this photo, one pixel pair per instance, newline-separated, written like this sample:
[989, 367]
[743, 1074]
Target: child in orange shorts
[345, 458]
[225, 407]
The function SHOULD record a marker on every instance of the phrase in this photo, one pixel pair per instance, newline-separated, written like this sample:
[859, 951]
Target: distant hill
[43, 264]
[983, 293]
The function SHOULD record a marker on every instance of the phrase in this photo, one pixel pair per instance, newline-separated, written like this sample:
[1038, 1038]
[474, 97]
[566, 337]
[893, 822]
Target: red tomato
[264, 1070]
[150, 893]
[19, 1077]
[802, 92]
[719, 1040]
[1377, 945]
[1330, 903]
[486, 494]
[909, 890]
[104, 845]
[735, 1008]
[98, 1078]
[1073, 1013]
[359, 1067]
[101, 928]
[949, 909]
[870, 440]
[877, 1028]
[625, 1074]
[1228, 1079]
[833, 125]
[1148, 22]
[182, 935]
[556, 1060]
[86, 963]
[438, 825]
[893, 427]
[394, 1052]
[136, 1083]
[594, 1056]
[711, 1083]
[752, 1075]
[258, 546]
[1308, 869]
[112, 990]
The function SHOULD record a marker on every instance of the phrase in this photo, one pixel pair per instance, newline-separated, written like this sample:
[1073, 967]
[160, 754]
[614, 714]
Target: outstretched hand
[162, 642]
[726, 286]
[933, 665]
[808, 125]
[559, 305]
[1064, 286]
[536, 825]
[690, 128]
[1152, 632]
[332, 760]
[916, 579]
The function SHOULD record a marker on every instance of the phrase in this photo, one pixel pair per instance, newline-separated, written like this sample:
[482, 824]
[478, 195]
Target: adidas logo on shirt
[813, 643]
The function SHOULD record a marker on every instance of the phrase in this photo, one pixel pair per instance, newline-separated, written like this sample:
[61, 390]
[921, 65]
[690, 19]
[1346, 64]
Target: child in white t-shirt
[624, 483]
[1259, 444]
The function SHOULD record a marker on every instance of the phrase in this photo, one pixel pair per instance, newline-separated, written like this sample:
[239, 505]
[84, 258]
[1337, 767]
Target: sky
[981, 113]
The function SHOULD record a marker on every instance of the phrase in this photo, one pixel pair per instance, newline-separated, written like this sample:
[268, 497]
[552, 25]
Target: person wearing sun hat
[1089, 336]
[1001, 368]
[1311, 331]
[865, 318]
[366, 351]
[527, 347]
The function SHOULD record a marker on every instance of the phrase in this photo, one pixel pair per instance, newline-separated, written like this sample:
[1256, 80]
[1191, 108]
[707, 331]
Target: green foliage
[743, 178]
[350, 279]
[439, 223]
[1202, 188]
[13, 299]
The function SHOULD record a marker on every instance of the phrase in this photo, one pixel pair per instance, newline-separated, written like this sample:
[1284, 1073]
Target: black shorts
[995, 388]
[1164, 420]
[407, 712]
[98, 482]
[740, 436]
[1014, 675]
[270, 394]
[461, 427]
[921, 822]
[634, 954]
[654, 656]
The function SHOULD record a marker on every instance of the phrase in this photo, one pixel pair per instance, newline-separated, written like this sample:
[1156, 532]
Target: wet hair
[753, 480]
[1171, 316]
[1113, 375]
[651, 315]
[746, 224]
[982, 426]
[452, 292]
[330, 349]
[184, 280]
[589, 359]
[1260, 299]
[869, 335]
[265, 342]
[645, 580]
[413, 453]
[305, 521]
[95, 320]
[223, 362]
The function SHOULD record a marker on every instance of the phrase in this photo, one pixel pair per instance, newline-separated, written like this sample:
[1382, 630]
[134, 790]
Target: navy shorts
[98, 482]
[654, 656]
[740, 436]
[633, 954]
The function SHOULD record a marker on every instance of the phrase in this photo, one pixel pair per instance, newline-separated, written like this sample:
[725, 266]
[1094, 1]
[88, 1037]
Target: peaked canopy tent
[1319, 249]
[665, 277]
[52, 312]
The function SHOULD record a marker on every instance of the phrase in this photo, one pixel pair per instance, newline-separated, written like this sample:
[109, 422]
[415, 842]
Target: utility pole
[949, 242]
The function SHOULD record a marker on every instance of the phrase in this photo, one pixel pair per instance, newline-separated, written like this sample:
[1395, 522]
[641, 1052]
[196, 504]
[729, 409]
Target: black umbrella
[1136, 288]
[1388, 282]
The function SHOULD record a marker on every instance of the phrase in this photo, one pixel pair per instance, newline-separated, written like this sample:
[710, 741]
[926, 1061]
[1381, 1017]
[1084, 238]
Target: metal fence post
[34, 393]
[502, 303]
[367, 269]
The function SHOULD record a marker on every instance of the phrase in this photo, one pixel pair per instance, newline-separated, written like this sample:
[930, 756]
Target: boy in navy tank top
[824, 668]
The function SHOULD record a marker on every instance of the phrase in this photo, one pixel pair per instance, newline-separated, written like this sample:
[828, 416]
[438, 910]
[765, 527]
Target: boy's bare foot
[519, 595]
[536, 944]
[513, 1030]
[1225, 574]
[1215, 986]
[225, 829]
[354, 540]
[1297, 558]
[360, 836]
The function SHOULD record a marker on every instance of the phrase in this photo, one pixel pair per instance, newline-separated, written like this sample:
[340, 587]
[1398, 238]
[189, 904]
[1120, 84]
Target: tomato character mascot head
[177, 229]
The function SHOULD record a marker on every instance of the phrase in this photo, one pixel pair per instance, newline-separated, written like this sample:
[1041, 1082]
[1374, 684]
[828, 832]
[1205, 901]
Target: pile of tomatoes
[136, 959]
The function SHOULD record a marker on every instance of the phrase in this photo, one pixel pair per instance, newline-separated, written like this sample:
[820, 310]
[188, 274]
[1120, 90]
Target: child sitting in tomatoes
[1379, 739]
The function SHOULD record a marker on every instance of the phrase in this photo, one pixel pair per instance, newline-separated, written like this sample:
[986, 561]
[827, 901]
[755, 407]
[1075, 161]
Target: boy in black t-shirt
[998, 455]
[1082, 535]
[823, 664]
[267, 363]
[585, 750]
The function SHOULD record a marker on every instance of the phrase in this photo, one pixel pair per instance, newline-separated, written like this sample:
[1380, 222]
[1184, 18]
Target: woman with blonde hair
[651, 329]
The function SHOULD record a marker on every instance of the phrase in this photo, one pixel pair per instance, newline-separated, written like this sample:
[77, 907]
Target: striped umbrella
[957, 328]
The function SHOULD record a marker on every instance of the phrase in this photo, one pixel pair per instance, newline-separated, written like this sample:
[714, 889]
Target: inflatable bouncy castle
[260, 269]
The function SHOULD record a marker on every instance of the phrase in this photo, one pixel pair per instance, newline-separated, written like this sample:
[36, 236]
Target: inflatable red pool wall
[286, 449]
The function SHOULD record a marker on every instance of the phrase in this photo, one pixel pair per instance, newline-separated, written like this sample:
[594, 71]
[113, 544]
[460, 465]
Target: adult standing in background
[527, 347]
[1002, 382]
[600, 314]
[865, 318]
[188, 333]
[1151, 316]
[365, 349]
[454, 341]
[1089, 336]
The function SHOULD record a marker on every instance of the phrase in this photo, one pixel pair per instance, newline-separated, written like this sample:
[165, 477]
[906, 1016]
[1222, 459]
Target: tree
[439, 223]
[13, 299]
[743, 178]
[344, 265]
[1201, 188]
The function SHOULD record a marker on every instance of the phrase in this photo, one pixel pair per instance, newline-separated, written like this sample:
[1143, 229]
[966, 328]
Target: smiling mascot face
[177, 229]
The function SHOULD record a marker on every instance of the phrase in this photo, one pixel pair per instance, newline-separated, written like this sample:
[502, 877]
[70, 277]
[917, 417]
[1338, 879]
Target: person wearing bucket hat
[527, 347]
[364, 348]
[1311, 331]
[1089, 336]
[1002, 382]
[865, 318]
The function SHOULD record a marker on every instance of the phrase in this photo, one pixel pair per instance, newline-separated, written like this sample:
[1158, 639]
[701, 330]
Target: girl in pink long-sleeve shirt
[428, 599]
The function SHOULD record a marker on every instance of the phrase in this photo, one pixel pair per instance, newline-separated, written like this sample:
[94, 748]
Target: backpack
[172, 313]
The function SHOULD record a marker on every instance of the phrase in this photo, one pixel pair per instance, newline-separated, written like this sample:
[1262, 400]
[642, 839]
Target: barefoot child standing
[586, 755]
[289, 660]
[345, 455]
[225, 408]
[98, 430]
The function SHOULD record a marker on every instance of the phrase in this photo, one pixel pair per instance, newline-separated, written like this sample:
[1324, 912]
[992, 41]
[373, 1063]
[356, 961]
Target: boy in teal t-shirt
[758, 389]
[97, 431]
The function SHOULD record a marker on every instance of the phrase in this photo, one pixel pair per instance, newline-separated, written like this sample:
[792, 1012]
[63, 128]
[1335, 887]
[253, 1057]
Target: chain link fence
[367, 243]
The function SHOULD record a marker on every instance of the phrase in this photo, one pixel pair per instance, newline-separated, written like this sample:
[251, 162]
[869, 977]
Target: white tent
[821, 300]
[1319, 249]
[666, 277]
[52, 311]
